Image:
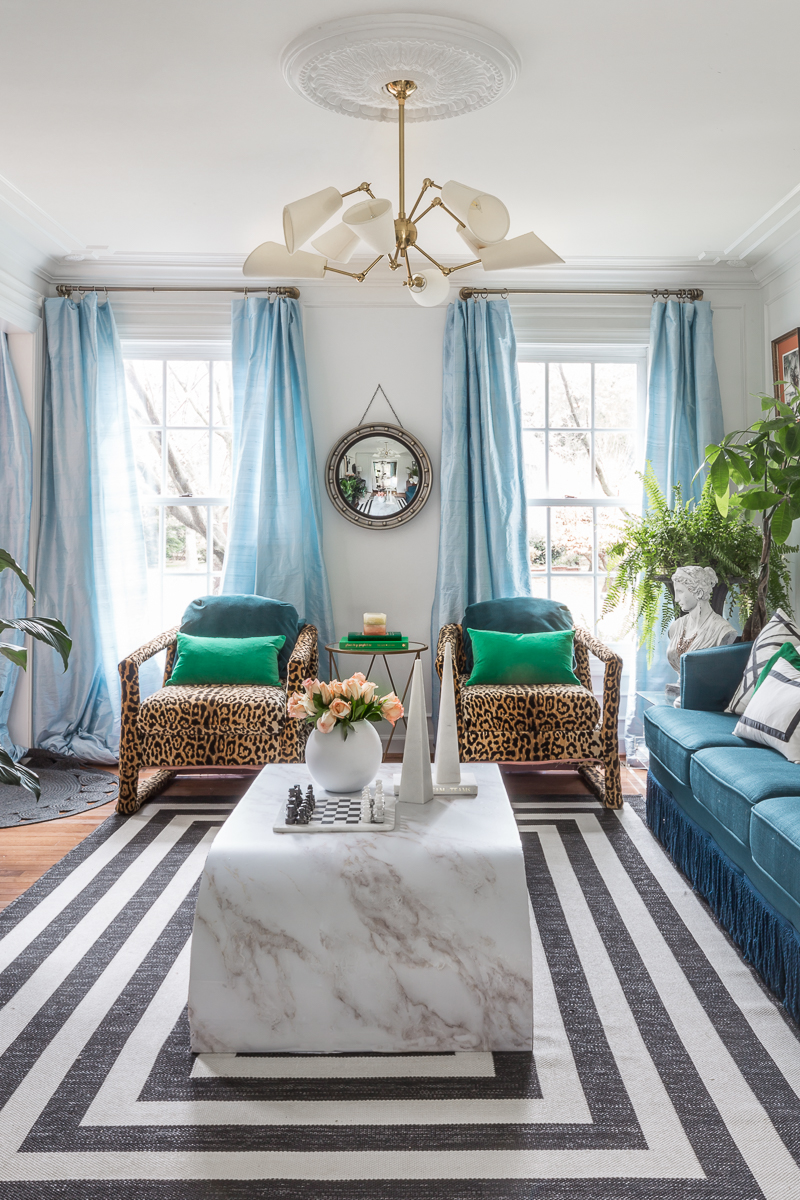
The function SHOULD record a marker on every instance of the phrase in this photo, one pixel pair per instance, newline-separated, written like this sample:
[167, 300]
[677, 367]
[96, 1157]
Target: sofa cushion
[779, 629]
[230, 707]
[675, 734]
[513, 614]
[728, 782]
[244, 617]
[514, 707]
[775, 841]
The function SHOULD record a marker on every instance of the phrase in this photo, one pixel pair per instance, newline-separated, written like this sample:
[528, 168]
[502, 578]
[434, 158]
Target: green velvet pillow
[526, 658]
[787, 651]
[227, 660]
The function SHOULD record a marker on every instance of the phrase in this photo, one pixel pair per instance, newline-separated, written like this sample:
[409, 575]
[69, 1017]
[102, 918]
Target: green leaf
[766, 403]
[720, 475]
[44, 629]
[16, 654]
[757, 499]
[781, 523]
[18, 776]
[785, 410]
[7, 563]
[711, 453]
[740, 467]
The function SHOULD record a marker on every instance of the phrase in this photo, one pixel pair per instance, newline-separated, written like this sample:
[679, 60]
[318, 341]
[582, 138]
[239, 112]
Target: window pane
[151, 515]
[533, 450]
[219, 534]
[578, 595]
[570, 464]
[221, 441]
[179, 592]
[187, 464]
[609, 530]
[571, 534]
[615, 465]
[570, 392]
[537, 538]
[144, 381]
[531, 386]
[539, 586]
[615, 395]
[147, 453]
[186, 538]
[187, 393]
[223, 393]
[616, 626]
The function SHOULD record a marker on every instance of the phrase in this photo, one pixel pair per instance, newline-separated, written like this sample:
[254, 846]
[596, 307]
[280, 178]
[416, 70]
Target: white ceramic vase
[344, 766]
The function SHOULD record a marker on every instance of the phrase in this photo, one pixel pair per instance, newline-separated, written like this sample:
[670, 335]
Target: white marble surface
[417, 940]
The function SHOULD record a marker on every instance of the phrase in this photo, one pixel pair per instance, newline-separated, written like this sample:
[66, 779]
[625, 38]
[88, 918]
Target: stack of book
[378, 643]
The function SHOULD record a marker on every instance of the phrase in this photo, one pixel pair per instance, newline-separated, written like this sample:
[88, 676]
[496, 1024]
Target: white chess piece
[446, 760]
[366, 806]
[416, 780]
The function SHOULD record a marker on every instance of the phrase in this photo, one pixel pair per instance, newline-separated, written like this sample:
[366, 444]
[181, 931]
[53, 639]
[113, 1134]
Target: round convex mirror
[378, 476]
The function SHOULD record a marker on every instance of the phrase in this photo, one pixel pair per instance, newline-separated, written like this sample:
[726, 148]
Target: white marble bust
[700, 627]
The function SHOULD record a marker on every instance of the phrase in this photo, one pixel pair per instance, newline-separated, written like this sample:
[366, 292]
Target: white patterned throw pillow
[778, 629]
[772, 718]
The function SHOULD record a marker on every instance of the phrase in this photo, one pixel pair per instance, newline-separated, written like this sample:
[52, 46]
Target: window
[180, 414]
[581, 421]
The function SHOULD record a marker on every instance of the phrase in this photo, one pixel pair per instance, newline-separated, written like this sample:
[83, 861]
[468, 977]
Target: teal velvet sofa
[728, 813]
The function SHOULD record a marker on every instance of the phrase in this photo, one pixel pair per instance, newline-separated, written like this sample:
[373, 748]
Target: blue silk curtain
[15, 524]
[91, 568]
[684, 415]
[275, 526]
[483, 539]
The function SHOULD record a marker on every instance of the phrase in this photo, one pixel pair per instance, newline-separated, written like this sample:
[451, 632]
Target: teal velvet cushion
[522, 658]
[203, 660]
[728, 782]
[674, 735]
[775, 841]
[710, 677]
[514, 614]
[244, 617]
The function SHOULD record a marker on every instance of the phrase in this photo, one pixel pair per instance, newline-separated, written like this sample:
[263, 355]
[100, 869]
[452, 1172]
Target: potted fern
[652, 546]
[44, 629]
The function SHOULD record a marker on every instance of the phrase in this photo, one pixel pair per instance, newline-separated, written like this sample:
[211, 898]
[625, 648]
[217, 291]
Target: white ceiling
[646, 128]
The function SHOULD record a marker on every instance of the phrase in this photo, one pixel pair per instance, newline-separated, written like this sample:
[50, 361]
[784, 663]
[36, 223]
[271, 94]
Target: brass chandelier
[481, 220]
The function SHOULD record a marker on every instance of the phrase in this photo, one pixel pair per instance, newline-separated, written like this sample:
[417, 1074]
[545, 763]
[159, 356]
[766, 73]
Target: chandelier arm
[410, 280]
[426, 183]
[475, 263]
[444, 270]
[367, 270]
[362, 187]
[451, 214]
[425, 211]
[359, 276]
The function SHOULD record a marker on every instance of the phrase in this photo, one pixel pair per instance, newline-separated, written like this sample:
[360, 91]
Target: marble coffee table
[413, 940]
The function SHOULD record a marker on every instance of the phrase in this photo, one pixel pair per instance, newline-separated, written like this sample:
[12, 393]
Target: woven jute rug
[69, 786]
[662, 1068]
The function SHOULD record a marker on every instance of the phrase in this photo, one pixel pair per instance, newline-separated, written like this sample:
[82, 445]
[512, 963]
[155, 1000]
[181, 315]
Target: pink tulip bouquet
[326, 705]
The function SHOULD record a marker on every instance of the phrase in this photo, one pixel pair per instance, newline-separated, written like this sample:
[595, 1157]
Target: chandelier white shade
[271, 259]
[338, 243]
[430, 288]
[525, 251]
[373, 221]
[303, 218]
[485, 216]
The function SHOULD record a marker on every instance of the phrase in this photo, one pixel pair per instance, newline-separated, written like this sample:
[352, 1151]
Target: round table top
[411, 648]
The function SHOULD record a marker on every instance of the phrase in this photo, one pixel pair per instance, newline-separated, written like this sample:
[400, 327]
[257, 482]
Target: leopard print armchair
[214, 725]
[542, 723]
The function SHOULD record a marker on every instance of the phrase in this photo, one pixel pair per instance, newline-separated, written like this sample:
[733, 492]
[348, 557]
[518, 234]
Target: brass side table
[415, 648]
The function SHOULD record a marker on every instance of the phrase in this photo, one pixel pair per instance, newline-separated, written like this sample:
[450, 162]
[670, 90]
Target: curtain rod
[66, 289]
[482, 293]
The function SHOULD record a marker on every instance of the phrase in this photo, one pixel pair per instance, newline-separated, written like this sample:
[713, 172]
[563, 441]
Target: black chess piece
[303, 815]
[310, 797]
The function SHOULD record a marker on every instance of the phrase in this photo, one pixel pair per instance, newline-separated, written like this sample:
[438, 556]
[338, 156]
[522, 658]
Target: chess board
[336, 814]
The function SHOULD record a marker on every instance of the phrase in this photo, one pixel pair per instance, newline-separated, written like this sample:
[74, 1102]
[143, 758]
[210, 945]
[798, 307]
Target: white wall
[352, 345]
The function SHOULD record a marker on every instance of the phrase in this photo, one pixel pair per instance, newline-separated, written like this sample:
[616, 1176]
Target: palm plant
[652, 546]
[44, 629]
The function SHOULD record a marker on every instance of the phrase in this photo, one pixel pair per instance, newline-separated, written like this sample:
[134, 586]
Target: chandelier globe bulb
[431, 288]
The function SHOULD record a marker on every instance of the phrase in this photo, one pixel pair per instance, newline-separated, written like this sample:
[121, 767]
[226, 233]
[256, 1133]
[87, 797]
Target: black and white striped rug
[662, 1069]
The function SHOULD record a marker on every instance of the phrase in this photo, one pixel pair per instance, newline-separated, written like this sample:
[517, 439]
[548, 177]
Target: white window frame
[200, 351]
[585, 353]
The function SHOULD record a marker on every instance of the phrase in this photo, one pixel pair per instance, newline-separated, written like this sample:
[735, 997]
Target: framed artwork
[786, 365]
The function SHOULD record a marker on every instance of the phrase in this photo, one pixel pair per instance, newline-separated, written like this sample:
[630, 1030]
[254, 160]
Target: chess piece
[379, 812]
[416, 781]
[366, 807]
[447, 766]
[310, 797]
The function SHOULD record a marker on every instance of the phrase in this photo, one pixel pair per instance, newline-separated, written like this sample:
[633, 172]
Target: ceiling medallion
[344, 66]
[482, 220]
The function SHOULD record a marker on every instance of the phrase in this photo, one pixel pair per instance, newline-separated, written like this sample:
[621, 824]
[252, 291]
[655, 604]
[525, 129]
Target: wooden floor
[26, 852]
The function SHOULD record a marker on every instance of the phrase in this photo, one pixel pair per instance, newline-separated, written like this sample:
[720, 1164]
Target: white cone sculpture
[447, 764]
[416, 782]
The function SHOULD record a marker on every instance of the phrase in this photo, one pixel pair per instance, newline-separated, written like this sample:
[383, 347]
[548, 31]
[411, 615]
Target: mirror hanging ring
[378, 476]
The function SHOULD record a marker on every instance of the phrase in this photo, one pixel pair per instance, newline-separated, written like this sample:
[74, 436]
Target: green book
[377, 647]
[376, 637]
